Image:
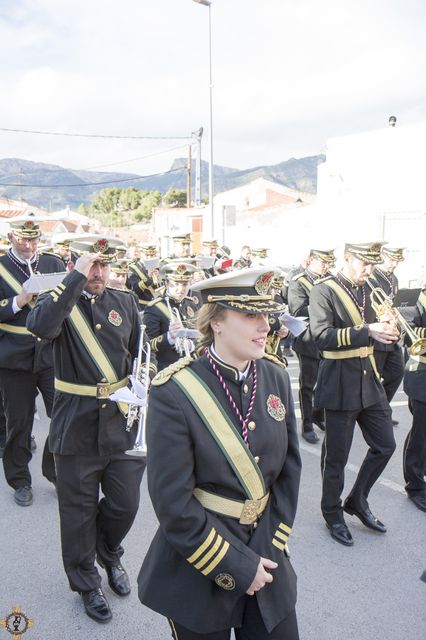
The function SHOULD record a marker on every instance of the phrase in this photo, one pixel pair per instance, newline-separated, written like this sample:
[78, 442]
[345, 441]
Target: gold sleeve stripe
[281, 536]
[277, 544]
[348, 332]
[285, 528]
[343, 337]
[206, 557]
[339, 337]
[62, 286]
[54, 296]
[216, 560]
[207, 542]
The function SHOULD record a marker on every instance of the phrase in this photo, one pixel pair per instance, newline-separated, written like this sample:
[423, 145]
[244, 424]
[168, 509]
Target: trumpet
[184, 344]
[140, 376]
[382, 304]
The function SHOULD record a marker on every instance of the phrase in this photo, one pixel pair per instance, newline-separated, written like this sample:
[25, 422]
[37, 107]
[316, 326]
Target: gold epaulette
[167, 373]
[151, 303]
[272, 358]
[320, 280]
[44, 252]
[118, 289]
[299, 275]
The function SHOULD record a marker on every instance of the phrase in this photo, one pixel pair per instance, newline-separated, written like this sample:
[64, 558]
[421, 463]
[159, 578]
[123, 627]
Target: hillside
[54, 187]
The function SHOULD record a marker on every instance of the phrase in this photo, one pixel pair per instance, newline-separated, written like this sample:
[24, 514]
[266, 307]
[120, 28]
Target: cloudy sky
[288, 75]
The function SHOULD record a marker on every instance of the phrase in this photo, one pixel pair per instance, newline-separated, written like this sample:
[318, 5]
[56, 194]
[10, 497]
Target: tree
[175, 197]
[117, 207]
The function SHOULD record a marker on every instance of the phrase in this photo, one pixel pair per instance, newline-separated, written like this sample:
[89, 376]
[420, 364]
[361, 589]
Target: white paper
[127, 396]
[296, 325]
[152, 263]
[43, 281]
[205, 262]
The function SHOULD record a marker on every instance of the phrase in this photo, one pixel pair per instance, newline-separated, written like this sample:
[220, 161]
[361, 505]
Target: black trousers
[18, 390]
[252, 628]
[308, 374]
[390, 365]
[90, 527]
[376, 426]
[415, 450]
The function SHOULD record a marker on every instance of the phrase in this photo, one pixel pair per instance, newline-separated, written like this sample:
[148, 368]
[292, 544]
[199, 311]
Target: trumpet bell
[418, 348]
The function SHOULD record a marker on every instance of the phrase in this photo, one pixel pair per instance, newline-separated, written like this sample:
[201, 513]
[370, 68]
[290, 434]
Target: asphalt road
[371, 591]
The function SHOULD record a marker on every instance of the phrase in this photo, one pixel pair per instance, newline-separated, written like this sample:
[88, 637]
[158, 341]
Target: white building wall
[372, 187]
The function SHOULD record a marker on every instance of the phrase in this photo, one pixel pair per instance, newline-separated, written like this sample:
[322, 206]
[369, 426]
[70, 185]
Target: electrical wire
[94, 135]
[90, 184]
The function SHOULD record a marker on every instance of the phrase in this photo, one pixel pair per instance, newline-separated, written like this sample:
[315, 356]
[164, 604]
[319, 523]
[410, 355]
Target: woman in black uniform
[223, 475]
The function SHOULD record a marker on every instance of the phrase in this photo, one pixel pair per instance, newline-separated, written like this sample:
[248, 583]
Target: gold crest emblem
[101, 245]
[275, 407]
[29, 224]
[115, 318]
[190, 312]
[181, 269]
[226, 581]
[263, 283]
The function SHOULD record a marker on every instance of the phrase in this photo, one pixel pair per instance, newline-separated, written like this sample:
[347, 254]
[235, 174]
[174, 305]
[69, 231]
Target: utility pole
[197, 135]
[188, 181]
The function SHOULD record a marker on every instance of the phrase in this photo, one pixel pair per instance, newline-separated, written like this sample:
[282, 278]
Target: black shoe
[33, 444]
[395, 423]
[320, 423]
[340, 533]
[419, 500]
[23, 496]
[96, 605]
[366, 518]
[310, 436]
[118, 579]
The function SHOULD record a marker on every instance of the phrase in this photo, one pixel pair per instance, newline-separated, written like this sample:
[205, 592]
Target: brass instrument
[382, 304]
[140, 375]
[184, 338]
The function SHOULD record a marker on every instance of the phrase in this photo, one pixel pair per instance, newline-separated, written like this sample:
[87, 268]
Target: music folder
[406, 298]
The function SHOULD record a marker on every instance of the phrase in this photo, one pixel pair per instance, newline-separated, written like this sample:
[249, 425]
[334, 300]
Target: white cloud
[287, 75]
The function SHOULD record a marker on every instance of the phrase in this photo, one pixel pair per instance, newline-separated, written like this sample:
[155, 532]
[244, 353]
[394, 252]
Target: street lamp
[207, 3]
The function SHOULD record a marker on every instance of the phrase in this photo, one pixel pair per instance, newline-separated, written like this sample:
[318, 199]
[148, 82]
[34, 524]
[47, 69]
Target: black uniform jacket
[389, 283]
[349, 384]
[299, 289]
[190, 540]
[19, 349]
[157, 319]
[83, 425]
[141, 283]
[415, 368]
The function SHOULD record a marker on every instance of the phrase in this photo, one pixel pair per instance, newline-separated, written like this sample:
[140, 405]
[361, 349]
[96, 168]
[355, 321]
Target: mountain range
[53, 187]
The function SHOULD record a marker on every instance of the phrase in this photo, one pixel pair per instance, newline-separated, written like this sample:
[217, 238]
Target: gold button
[254, 525]
[103, 406]
[256, 459]
[365, 373]
[93, 300]
[98, 326]
[103, 380]
[252, 425]
[245, 388]
[38, 339]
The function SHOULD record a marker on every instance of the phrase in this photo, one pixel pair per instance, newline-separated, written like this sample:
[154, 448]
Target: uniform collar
[227, 370]
[348, 281]
[23, 262]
